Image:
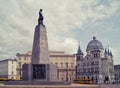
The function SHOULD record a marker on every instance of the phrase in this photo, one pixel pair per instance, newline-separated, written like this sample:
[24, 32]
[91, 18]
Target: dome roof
[94, 45]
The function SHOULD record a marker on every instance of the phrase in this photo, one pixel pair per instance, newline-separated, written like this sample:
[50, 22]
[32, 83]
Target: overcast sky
[67, 22]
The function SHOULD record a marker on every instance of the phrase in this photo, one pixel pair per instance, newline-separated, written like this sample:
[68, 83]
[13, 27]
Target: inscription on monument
[39, 71]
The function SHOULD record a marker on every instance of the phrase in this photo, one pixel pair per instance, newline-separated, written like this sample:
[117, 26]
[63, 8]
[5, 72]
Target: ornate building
[117, 73]
[97, 64]
[65, 63]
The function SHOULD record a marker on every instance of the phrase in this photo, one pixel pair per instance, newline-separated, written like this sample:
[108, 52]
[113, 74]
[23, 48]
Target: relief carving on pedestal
[39, 71]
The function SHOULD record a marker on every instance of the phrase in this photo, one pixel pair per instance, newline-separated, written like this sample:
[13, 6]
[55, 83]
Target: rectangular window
[96, 62]
[12, 62]
[62, 78]
[85, 70]
[20, 64]
[12, 67]
[61, 65]
[89, 69]
[92, 63]
[56, 64]
[96, 68]
[66, 65]
[72, 72]
[92, 69]
[87, 63]
[84, 64]
[19, 58]
[25, 58]
[71, 64]
[12, 73]
[87, 58]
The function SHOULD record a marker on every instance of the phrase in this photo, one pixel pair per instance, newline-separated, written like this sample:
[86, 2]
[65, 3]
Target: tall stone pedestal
[40, 53]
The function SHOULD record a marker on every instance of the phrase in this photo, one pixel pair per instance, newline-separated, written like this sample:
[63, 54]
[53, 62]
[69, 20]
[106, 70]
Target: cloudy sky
[67, 23]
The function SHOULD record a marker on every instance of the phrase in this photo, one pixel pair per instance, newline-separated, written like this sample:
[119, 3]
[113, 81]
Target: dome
[94, 45]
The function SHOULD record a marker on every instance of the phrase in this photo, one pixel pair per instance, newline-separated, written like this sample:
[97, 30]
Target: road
[110, 86]
[62, 86]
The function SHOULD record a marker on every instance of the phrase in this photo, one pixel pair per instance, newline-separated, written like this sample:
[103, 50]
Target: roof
[94, 45]
[8, 60]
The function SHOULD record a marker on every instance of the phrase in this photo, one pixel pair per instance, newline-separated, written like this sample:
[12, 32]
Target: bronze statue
[40, 20]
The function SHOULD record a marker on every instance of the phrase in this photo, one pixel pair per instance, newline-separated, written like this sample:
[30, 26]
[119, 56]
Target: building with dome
[96, 65]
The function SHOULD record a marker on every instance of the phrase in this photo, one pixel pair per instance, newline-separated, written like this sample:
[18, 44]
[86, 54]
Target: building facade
[22, 59]
[97, 64]
[65, 63]
[8, 69]
[117, 73]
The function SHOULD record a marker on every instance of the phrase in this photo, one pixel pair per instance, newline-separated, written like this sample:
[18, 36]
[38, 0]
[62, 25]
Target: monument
[40, 54]
[39, 71]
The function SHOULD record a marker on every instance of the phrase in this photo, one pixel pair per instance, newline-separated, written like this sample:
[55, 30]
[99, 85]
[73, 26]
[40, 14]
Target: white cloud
[66, 44]
[116, 55]
[18, 19]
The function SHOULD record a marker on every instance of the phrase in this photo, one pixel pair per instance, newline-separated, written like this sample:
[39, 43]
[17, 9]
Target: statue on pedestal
[40, 19]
